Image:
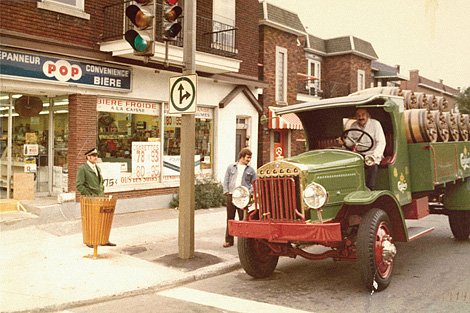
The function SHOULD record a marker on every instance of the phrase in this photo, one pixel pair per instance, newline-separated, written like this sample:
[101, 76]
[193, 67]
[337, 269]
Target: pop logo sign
[62, 70]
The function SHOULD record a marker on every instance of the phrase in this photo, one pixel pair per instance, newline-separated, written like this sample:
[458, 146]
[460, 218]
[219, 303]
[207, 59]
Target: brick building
[300, 67]
[418, 83]
[71, 82]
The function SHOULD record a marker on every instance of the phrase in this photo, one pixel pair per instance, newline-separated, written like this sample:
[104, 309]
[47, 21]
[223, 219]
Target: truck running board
[416, 232]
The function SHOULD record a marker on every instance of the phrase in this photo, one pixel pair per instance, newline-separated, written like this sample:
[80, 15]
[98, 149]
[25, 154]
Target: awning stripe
[286, 121]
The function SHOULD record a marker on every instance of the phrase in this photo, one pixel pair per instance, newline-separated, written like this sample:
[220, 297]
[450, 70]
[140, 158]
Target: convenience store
[54, 108]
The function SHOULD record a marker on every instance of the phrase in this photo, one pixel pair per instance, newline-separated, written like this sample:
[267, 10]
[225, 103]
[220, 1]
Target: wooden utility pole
[186, 192]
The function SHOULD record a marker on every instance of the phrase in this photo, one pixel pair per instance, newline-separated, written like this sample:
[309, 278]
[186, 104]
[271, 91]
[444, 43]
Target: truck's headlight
[315, 196]
[369, 160]
[241, 197]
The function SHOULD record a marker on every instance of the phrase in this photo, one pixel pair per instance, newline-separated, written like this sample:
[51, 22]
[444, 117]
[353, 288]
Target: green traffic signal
[136, 41]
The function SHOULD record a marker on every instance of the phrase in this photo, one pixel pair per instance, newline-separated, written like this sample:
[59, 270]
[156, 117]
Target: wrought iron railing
[211, 36]
[322, 88]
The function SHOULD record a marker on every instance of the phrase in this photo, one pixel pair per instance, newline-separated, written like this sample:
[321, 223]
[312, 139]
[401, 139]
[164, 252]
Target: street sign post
[183, 94]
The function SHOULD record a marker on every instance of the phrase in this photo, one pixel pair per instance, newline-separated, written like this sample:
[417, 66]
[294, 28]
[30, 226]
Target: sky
[432, 36]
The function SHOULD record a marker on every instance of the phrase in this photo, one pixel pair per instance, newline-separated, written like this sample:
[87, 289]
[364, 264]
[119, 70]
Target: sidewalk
[43, 268]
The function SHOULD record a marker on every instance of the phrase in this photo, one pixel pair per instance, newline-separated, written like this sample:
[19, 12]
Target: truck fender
[358, 202]
[457, 196]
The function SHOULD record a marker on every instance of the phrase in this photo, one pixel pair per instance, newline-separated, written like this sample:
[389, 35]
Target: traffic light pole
[186, 192]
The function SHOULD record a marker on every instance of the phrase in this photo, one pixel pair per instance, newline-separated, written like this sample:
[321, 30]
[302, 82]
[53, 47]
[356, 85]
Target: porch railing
[322, 88]
[211, 36]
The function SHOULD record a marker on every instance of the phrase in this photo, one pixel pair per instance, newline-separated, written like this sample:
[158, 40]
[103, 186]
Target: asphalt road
[431, 274]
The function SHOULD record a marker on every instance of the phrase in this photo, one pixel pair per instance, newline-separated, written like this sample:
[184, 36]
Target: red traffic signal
[138, 17]
[171, 12]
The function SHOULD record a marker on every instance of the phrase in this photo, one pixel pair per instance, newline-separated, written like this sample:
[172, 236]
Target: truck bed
[434, 164]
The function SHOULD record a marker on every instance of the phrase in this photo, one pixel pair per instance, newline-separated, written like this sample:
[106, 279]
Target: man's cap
[91, 152]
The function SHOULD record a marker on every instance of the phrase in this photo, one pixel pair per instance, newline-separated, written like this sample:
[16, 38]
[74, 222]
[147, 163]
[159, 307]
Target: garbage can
[97, 218]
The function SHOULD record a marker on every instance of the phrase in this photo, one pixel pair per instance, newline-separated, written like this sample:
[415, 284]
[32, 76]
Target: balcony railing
[322, 88]
[211, 36]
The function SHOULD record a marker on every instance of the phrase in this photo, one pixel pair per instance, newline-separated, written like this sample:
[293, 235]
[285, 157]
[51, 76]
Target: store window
[203, 154]
[39, 140]
[128, 142]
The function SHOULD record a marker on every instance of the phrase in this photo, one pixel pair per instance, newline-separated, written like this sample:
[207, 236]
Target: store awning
[286, 121]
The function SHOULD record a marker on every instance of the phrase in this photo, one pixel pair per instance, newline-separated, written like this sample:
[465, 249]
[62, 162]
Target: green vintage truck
[320, 198]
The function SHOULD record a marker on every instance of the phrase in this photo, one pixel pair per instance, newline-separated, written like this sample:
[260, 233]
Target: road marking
[225, 302]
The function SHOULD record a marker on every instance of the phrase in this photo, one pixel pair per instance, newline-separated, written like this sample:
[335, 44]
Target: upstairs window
[281, 76]
[223, 12]
[68, 7]
[361, 80]
[314, 70]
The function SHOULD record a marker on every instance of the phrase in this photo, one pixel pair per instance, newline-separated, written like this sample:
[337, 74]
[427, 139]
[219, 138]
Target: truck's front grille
[277, 199]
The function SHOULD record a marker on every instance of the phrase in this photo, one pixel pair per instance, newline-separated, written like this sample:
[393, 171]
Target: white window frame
[77, 10]
[314, 84]
[281, 86]
[223, 11]
[361, 83]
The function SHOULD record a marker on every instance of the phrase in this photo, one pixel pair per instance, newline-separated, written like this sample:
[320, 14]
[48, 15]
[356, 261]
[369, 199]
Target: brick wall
[271, 38]
[246, 14]
[82, 132]
[25, 17]
[343, 69]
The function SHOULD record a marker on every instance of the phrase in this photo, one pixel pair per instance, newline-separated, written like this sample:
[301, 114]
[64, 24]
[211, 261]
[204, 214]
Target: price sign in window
[145, 159]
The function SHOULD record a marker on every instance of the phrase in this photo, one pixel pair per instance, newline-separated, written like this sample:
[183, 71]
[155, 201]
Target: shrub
[208, 193]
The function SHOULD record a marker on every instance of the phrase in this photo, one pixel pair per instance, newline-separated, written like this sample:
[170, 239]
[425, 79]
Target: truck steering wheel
[354, 143]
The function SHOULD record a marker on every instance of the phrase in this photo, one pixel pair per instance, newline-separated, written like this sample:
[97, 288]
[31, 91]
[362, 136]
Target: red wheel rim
[384, 267]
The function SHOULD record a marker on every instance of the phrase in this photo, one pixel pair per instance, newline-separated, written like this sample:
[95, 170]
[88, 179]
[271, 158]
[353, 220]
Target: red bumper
[284, 232]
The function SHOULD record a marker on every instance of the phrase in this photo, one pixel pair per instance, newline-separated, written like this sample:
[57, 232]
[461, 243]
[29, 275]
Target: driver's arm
[379, 138]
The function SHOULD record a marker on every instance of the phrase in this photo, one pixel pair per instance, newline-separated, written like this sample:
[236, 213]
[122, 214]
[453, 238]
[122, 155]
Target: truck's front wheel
[375, 249]
[255, 258]
[460, 224]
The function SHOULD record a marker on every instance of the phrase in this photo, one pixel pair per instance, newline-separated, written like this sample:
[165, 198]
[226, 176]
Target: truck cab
[320, 197]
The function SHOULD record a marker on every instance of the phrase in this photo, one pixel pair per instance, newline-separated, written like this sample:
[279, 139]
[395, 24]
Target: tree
[463, 101]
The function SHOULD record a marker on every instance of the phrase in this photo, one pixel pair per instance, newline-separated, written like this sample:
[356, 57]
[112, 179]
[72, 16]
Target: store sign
[201, 112]
[31, 150]
[127, 106]
[172, 166]
[145, 159]
[30, 165]
[65, 71]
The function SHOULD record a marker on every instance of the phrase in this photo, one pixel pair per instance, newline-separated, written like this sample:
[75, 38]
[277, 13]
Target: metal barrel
[97, 217]
[432, 102]
[443, 132]
[462, 125]
[420, 126]
[410, 99]
[421, 100]
[442, 104]
[454, 134]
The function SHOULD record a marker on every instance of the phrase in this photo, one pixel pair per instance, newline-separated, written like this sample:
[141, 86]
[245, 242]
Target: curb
[208, 272]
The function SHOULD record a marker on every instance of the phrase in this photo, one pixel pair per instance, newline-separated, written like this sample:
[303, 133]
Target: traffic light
[142, 37]
[171, 26]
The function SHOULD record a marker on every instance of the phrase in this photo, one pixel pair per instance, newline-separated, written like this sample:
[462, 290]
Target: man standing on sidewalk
[90, 180]
[237, 174]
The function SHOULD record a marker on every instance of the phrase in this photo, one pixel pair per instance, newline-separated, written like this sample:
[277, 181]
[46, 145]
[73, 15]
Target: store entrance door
[279, 144]
[38, 145]
[240, 142]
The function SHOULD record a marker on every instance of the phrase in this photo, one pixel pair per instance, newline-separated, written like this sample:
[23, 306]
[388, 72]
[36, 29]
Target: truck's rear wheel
[460, 224]
[255, 258]
[375, 249]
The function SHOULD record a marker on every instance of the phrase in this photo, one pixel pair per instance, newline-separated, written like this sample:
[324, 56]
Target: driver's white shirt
[373, 128]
